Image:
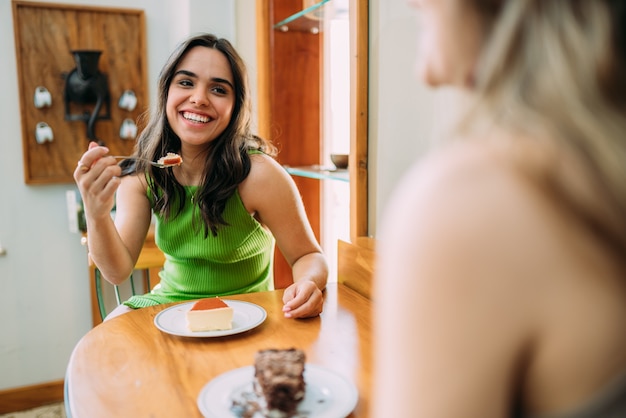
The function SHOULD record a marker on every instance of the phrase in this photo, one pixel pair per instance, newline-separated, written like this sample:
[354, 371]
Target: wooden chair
[149, 263]
[355, 264]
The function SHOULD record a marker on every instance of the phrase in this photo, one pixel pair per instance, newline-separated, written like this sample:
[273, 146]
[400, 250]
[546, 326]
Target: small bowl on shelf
[340, 160]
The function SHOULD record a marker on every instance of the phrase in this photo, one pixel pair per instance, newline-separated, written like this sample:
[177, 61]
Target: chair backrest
[150, 260]
[356, 263]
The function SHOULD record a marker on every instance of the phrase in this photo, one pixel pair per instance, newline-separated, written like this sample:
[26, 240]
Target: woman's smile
[201, 96]
[195, 117]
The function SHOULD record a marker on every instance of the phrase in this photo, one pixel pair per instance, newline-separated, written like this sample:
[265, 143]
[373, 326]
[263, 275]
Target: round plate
[246, 316]
[327, 394]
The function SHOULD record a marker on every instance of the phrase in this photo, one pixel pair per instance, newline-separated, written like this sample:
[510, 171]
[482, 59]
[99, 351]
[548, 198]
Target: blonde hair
[553, 72]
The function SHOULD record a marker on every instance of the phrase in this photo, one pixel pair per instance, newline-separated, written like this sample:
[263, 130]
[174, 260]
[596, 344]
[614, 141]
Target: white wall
[44, 287]
[405, 117]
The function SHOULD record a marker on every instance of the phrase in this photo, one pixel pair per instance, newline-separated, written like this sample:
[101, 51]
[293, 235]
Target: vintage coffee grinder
[86, 86]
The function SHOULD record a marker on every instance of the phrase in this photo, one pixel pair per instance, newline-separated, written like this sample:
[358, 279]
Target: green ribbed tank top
[238, 260]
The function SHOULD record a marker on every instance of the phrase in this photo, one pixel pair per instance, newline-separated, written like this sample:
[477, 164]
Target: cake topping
[209, 303]
[170, 159]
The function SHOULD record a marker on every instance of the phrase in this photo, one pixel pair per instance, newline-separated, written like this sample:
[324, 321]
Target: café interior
[328, 78]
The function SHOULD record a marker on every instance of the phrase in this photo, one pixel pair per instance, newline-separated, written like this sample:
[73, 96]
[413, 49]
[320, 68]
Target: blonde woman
[501, 288]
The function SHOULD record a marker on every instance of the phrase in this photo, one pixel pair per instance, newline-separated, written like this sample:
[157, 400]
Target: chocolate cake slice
[279, 379]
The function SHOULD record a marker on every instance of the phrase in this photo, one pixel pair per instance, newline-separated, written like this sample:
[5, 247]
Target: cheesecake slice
[171, 159]
[211, 314]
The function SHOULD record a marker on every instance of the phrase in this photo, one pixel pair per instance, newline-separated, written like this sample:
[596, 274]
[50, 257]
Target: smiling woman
[201, 98]
[216, 214]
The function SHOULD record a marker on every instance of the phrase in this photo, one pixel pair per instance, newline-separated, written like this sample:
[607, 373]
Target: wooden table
[126, 367]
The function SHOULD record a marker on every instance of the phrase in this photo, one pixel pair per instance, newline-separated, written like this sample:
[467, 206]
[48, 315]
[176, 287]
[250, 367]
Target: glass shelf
[300, 22]
[319, 172]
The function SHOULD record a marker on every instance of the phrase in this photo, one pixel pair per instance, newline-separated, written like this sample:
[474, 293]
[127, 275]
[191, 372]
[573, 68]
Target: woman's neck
[191, 171]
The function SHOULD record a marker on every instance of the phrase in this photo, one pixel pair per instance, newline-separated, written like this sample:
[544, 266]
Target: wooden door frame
[359, 84]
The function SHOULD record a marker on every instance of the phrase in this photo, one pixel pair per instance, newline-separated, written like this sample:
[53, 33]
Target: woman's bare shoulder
[267, 182]
[264, 168]
[453, 180]
[447, 266]
[469, 204]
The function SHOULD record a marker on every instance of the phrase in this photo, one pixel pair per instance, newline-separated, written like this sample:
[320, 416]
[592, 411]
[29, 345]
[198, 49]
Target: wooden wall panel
[295, 109]
[45, 33]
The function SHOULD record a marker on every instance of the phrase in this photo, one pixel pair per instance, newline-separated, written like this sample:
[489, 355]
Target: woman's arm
[114, 246]
[270, 194]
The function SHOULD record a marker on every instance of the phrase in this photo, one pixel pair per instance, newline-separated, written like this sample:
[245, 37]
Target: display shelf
[319, 172]
[301, 22]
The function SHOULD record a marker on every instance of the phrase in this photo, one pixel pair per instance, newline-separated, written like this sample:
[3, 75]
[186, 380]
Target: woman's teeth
[195, 118]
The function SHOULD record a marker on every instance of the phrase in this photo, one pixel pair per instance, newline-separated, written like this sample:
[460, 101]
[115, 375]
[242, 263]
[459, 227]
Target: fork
[154, 163]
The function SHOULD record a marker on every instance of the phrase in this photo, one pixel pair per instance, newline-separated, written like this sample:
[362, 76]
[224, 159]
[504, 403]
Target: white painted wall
[44, 288]
[405, 116]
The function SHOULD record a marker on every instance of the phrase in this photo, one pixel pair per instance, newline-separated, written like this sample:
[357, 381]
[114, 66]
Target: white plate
[246, 316]
[327, 394]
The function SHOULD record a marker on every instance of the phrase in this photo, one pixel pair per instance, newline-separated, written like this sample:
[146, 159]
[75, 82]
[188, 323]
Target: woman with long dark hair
[219, 213]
